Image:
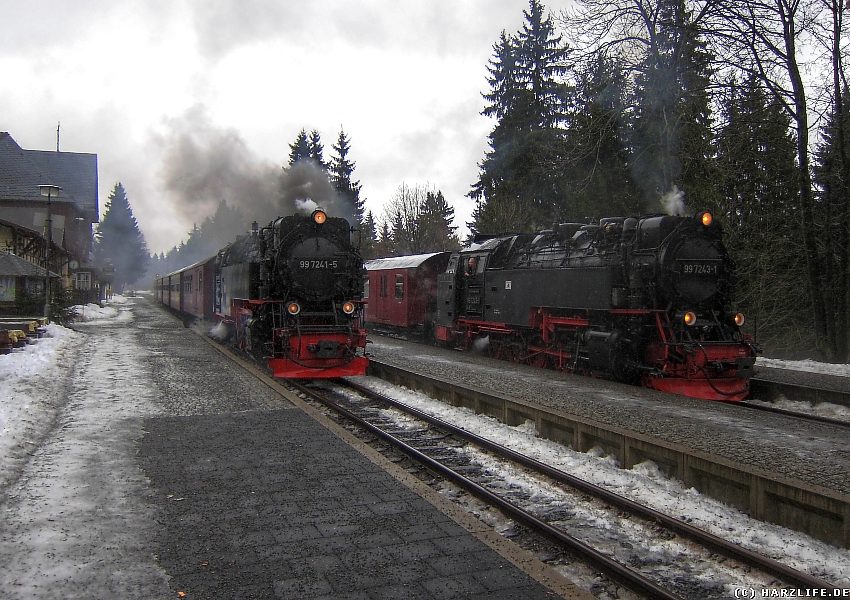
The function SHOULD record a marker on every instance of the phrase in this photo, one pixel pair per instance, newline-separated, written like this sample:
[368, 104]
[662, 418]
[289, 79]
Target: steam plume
[674, 202]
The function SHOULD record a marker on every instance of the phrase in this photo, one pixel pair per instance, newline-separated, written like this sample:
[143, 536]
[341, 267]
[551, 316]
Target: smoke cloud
[204, 164]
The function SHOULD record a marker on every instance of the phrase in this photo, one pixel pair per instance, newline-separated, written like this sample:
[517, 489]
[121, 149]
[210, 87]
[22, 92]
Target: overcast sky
[170, 94]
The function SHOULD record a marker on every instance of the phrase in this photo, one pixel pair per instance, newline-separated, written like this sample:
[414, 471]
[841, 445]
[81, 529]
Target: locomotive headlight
[689, 318]
[348, 308]
[706, 219]
[293, 308]
[319, 216]
[739, 319]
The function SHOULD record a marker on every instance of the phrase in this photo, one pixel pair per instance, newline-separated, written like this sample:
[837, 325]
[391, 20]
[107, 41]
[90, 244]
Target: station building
[48, 205]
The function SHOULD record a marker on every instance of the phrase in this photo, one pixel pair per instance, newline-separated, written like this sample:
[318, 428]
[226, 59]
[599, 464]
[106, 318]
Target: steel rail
[793, 414]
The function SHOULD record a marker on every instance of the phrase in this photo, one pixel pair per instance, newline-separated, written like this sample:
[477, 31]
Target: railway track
[445, 449]
[766, 391]
[793, 413]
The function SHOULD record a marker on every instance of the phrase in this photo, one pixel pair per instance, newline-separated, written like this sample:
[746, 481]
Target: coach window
[200, 280]
[366, 288]
[399, 286]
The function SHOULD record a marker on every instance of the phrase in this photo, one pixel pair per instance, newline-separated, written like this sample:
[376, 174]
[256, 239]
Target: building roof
[22, 171]
[15, 266]
[399, 262]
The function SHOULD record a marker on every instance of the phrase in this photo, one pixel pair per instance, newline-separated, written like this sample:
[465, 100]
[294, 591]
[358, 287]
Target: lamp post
[49, 191]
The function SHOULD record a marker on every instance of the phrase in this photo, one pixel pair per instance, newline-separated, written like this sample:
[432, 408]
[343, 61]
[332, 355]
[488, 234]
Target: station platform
[270, 504]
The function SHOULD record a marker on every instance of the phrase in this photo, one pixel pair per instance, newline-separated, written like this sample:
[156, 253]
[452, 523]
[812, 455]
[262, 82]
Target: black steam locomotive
[289, 293]
[637, 299]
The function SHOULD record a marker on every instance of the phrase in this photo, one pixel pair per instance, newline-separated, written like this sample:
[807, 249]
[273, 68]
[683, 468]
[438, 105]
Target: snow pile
[31, 393]
[32, 383]
[94, 312]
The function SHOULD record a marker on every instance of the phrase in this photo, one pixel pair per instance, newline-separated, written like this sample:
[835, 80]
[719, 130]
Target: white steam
[674, 202]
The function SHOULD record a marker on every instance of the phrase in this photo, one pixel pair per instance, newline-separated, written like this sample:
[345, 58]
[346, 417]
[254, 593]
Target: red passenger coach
[198, 285]
[189, 290]
[401, 292]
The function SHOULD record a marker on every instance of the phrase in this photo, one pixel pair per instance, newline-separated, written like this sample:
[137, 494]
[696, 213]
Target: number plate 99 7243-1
[700, 268]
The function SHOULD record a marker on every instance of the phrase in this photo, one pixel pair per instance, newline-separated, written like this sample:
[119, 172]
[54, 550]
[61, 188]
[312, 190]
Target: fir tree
[542, 66]
[384, 246]
[119, 242]
[598, 160]
[758, 199]
[833, 197]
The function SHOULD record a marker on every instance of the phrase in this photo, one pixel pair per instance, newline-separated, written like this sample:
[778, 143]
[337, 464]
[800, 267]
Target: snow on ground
[76, 523]
[32, 380]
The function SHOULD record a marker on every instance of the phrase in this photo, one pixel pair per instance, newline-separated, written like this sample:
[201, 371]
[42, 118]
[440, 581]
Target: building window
[35, 287]
[82, 280]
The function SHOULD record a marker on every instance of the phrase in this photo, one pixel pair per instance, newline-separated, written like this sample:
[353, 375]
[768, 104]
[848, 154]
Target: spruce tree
[597, 172]
[316, 150]
[435, 223]
[833, 194]
[341, 170]
[300, 148]
[672, 130]
[369, 236]
[758, 201]
[119, 242]
[384, 246]
[519, 176]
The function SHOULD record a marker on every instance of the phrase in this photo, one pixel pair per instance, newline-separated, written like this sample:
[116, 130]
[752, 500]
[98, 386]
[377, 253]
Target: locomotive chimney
[255, 228]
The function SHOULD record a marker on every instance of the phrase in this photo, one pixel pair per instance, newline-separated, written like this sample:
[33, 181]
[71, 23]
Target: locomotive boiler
[640, 299]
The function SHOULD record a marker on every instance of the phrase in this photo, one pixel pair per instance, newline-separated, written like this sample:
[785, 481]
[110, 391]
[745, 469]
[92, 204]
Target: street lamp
[49, 191]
